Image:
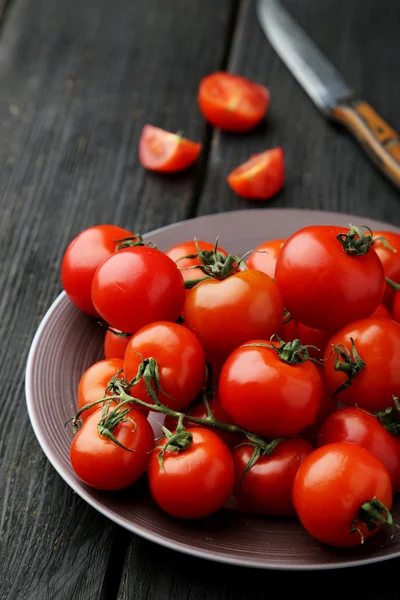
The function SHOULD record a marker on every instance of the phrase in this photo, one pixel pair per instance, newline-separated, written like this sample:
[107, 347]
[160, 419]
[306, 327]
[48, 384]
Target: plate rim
[161, 539]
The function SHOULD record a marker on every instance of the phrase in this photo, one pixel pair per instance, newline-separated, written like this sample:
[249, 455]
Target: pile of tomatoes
[277, 375]
[230, 103]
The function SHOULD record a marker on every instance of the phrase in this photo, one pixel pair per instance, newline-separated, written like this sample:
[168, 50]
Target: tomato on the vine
[93, 383]
[226, 313]
[180, 370]
[338, 489]
[366, 372]
[166, 152]
[353, 425]
[115, 343]
[270, 393]
[232, 102]
[104, 465]
[178, 253]
[136, 286]
[199, 410]
[343, 277]
[267, 486]
[388, 250]
[193, 482]
[264, 256]
[82, 258]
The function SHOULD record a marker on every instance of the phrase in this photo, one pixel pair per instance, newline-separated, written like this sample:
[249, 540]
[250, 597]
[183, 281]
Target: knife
[328, 90]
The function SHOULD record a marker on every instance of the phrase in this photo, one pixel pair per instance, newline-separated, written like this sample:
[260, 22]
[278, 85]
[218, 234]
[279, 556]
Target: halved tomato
[166, 152]
[260, 177]
[232, 102]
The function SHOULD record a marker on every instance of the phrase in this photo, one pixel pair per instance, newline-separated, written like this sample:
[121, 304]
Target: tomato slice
[260, 177]
[232, 102]
[166, 152]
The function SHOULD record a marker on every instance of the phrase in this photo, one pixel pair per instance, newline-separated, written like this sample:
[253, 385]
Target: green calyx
[179, 441]
[260, 447]
[292, 353]
[373, 514]
[356, 242]
[347, 362]
[109, 421]
[135, 240]
[387, 417]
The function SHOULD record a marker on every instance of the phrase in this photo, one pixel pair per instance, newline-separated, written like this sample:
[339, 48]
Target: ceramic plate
[67, 343]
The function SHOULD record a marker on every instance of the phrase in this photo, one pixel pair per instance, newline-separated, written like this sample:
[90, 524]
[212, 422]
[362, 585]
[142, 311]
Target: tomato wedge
[166, 152]
[232, 102]
[260, 177]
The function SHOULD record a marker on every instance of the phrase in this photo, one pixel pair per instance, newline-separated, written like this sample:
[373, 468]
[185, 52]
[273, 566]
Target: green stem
[292, 353]
[347, 362]
[355, 241]
[373, 514]
[393, 284]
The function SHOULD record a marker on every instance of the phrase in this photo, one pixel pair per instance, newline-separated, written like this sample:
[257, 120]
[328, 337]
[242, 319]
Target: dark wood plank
[325, 168]
[78, 80]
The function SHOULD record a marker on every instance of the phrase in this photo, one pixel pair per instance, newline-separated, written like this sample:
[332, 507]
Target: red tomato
[231, 102]
[226, 313]
[327, 406]
[81, 259]
[260, 177]
[195, 482]
[314, 337]
[267, 486]
[381, 312]
[377, 342]
[166, 152]
[188, 249]
[331, 486]
[264, 257]
[288, 331]
[115, 345]
[215, 362]
[137, 286]
[340, 287]
[199, 410]
[396, 307]
[94, 381]
[390, 260]
[180, 358]
[104, 465]
[355, 426]
[267, 396]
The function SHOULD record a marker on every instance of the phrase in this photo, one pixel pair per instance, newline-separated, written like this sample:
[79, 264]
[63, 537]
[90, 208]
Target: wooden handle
[378, 139]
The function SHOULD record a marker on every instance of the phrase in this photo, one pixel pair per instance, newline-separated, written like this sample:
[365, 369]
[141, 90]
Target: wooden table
[78, 79]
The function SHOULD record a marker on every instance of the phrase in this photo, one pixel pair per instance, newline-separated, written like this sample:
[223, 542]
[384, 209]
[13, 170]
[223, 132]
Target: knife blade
[328, 90]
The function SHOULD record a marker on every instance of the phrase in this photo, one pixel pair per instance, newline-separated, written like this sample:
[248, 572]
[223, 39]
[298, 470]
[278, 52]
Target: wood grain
[325, 167]
[78, 80]
[378, 139]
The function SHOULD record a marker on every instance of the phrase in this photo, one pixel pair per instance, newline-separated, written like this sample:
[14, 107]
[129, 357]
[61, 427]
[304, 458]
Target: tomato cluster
[248, 363]
[231, 103]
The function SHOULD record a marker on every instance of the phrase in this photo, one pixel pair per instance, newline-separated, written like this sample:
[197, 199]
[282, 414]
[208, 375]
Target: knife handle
[378, 139]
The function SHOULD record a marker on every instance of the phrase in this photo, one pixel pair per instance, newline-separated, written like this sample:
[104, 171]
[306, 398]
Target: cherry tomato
[115, 344]
[81, 259]
[340, 287]
[199, 410]
[377, 342]
[381, 312]
[390, 258]
[267, 486]
[232, 102]
[226, 313]
[104, 465]
[94, 381]
[166, 152]
[189, 249]
[180, 358]
[355, 426]
[136, 286]
[266, 395]
[314, 337]
[265, 256]
[327, 406]
[396, 307]
[260, 177]
[331, 486]
[195, 482]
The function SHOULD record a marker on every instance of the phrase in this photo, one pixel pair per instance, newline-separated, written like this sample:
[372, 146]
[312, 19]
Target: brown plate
[67, 343]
